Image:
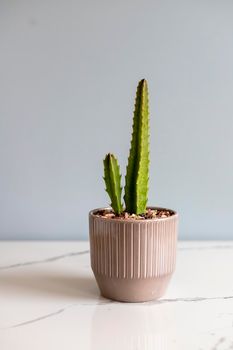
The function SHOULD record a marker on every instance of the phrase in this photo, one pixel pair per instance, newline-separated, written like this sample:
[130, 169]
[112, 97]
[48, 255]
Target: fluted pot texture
[133, 260]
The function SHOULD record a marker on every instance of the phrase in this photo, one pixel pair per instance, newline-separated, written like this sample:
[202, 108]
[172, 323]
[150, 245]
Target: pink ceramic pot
[133, 260]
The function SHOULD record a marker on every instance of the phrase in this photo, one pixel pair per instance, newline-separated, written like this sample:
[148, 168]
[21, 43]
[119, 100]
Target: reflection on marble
[134, 327]
[49, 300]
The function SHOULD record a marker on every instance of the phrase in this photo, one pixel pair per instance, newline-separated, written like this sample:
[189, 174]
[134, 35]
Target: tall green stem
[137, 173]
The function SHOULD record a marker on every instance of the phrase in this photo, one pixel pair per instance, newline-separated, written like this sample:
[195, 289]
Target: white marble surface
[49, 300]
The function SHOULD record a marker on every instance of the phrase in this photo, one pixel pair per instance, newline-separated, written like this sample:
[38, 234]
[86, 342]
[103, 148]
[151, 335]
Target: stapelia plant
[112, 180]
[137, 172]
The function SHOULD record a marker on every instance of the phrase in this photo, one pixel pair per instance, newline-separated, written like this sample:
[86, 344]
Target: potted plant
[133, 248]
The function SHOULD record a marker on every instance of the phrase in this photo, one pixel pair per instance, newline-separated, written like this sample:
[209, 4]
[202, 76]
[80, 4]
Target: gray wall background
[68, 74]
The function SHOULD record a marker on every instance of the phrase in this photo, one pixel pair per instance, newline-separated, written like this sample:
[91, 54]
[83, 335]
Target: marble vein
[40, 318]
[43, 261]
[209, 247]
[73, 254]
[219, 342]
[195, 299]
[107, 302]
[55, 313]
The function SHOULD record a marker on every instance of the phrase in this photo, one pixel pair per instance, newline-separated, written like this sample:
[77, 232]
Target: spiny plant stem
[137, 173]
[112, 180]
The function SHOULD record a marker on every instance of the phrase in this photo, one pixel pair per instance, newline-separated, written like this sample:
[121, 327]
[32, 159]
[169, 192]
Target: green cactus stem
[137, 172]
[112, 180]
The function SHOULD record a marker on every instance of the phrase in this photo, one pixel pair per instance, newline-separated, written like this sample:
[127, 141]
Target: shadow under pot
[133, 260]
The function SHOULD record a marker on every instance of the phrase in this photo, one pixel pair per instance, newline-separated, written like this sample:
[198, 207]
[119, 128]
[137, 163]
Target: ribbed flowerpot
[133, 260]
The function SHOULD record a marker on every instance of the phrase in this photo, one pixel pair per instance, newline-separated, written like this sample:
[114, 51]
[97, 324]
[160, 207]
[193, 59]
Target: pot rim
[93, 212]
